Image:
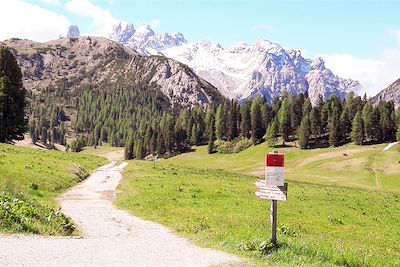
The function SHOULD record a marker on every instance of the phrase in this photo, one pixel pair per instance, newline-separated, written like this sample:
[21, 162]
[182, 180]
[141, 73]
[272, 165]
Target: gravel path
[111, 237]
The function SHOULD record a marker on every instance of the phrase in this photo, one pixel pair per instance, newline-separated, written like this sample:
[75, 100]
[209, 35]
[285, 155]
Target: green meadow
[30, 180]
[343, 207]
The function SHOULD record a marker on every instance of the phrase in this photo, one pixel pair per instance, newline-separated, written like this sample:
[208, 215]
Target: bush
[19, 215]
[226, 147]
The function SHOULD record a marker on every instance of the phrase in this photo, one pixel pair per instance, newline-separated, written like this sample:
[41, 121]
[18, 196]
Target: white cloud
[373, 74]
[102, 19]
[155, 23]
[263, 27]
[51, 2]
[24, 20]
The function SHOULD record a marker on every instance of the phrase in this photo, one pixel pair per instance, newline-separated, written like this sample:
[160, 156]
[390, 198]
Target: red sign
[275, 160]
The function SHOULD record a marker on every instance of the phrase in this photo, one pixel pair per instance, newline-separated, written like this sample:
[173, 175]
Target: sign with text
[274, 166]
[272, 192]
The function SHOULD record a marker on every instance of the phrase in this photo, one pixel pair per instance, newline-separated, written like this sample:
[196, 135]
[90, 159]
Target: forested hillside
[145, 121]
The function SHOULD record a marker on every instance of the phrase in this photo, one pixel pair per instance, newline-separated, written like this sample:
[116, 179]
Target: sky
[357, 39]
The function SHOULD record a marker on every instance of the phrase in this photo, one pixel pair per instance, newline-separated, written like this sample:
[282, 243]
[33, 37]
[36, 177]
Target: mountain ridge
[100, 62]
[243, 70]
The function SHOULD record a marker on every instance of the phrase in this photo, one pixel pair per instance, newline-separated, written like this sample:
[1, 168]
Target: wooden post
[274, 215]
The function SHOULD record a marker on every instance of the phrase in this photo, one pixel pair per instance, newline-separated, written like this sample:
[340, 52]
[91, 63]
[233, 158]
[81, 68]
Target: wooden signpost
[273, 187]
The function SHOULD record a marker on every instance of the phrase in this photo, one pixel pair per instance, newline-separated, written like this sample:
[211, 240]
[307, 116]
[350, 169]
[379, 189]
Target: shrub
[226, 147]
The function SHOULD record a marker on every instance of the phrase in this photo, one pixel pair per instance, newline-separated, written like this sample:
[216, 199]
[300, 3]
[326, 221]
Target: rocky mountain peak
[144, 31]
[73, 31]
[245, 70]
[122, 32]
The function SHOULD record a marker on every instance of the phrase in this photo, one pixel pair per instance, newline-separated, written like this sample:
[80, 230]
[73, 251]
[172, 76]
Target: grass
[30, 180]
[367, 167]
[210, 199]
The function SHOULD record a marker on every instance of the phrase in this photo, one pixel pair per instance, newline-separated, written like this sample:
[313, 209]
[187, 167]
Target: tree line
[143, 120]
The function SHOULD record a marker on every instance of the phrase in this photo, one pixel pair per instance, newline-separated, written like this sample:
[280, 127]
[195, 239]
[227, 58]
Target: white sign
[273, 192]
[274, 175]
[272, 195]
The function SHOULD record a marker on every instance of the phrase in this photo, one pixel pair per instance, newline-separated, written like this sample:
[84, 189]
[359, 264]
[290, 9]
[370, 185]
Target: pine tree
[13, 123]
[255, 116]
[304, 131]
[315, 120]
[357, 133]
[368, 121]
[376, 125]
[220, 122]
[245, 123]
[272, 132]
[194, 137]
[211, 138]
[284, 120]
[334, 128]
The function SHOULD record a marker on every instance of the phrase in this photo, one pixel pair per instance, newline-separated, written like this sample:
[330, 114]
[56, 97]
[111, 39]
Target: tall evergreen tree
[304, 131]
[272, 132]
[220, 122]
[334, 128]
[255, 118]
[357, 133]
[245, 124]
[13, 123]
[284, 120]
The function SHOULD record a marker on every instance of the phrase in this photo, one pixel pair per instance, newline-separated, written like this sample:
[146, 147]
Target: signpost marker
[273, 187]
[274, 215]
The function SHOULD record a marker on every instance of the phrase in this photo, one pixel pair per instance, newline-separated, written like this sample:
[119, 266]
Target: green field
[30, 180]
[320, 225]
[366, 167]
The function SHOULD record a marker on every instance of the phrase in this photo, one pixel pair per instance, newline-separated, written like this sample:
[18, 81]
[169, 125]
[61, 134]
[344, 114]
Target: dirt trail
[111, 237]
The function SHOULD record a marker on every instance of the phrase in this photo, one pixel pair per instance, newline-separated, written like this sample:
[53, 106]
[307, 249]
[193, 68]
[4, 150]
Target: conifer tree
[13, 123]
[210, 146]
[220, 122]
[304, 132]
[194, 137]
[255, 116]
[334, 128]
[272, 132]
[284, 120]
[357, 133]
[245, 121]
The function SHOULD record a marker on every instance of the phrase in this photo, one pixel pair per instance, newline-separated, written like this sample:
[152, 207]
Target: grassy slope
[52, 171]
[319, 225]
[365, 167]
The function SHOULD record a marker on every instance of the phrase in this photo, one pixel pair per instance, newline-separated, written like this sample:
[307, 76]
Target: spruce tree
[284, 120]
[245, 123]
[304, 131]
[255, 118]
[334, 128]
[220, 122]
[357, 133]
[272, 132]
[13, 123]
[211, 138]
[194, 137]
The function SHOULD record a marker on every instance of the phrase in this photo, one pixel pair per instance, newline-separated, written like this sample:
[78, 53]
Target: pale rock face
[391, 93]
[100, 62]
[122, 32]
[73, 32]
[246, 70]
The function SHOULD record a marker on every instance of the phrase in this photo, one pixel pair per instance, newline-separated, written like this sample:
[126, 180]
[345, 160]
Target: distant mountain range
[100, 62]
[243, 70]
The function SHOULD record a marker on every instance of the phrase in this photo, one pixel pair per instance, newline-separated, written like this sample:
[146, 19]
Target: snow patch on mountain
[243, 70]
